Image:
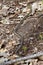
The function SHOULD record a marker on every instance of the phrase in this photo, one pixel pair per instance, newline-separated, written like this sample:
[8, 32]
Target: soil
[27, 39]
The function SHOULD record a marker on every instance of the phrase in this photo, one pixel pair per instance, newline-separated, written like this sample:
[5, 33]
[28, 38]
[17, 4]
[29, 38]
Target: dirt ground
[20, 35]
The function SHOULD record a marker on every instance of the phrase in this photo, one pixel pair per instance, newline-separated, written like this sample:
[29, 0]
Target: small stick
[24, 58]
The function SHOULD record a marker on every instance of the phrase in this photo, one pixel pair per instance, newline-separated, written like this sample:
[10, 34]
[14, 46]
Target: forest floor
[21, 34]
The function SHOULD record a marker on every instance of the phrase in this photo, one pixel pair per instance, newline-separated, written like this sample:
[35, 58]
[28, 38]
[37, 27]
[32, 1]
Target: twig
[24, 58]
